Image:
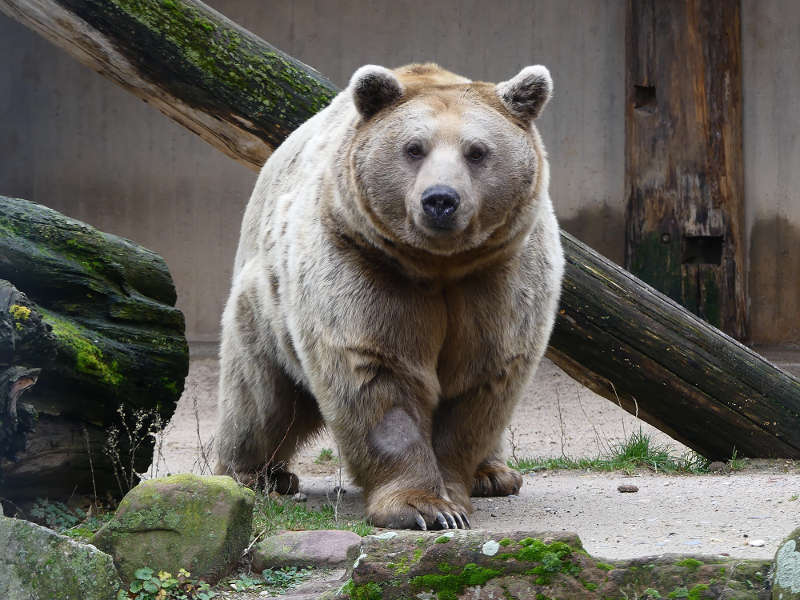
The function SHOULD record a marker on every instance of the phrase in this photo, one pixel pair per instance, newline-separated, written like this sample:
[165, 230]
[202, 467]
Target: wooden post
[683, 155]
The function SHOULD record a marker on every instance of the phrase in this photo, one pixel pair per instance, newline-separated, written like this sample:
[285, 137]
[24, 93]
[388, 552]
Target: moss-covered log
[24, 341]
[225, 84]
[97, 319]
[614, 333]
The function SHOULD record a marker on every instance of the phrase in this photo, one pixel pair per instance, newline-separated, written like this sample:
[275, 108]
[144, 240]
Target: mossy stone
[38, 564]
[539, 566]
[201, 524]
[786, 578]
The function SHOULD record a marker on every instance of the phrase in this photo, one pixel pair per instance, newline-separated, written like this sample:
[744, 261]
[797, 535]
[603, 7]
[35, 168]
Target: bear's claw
[417, 509]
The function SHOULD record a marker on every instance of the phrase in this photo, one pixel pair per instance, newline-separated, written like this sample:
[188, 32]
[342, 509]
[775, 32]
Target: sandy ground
[706, 514]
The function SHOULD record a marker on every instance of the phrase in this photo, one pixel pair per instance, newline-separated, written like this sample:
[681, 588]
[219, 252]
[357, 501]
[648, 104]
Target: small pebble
[627, 489]
[756, 543]
[300, 497]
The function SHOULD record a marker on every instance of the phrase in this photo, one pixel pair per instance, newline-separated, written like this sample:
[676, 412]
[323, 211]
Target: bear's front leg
[382, 422]
[469, 456]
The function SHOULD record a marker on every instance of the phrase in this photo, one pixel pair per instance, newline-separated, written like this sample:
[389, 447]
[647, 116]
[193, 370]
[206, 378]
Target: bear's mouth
[440, 224]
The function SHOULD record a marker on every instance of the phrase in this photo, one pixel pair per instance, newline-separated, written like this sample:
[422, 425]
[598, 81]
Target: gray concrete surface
[715, 513]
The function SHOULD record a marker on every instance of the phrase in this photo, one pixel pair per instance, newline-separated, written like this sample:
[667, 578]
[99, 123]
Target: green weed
[638, 451]
[325, 456]
[272, 515]
[735, 463]
[271, 582]
[147, 585]
[283, 579]
[72, 522]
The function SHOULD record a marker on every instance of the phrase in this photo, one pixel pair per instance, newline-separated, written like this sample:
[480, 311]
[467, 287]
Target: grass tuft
[637, 452]
[271, 515]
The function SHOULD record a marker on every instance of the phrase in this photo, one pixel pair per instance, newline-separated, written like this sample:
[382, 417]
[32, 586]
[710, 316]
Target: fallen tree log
[212, 76]
[88, 317]
[614, 333]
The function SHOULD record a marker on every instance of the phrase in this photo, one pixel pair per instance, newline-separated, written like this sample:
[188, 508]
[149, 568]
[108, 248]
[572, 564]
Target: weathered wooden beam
[614, 333]
[634, 345]
[92, 316]
[215, 78]
[683, 156]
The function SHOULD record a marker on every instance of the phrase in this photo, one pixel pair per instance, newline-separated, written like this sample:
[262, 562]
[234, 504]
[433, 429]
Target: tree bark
[635, 346]
[95, 330]
[614, 333]
[215, 78]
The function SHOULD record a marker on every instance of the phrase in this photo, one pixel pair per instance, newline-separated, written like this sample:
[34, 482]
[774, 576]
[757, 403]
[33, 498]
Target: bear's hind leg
[261, 426]
[263, 415]
[494, 478]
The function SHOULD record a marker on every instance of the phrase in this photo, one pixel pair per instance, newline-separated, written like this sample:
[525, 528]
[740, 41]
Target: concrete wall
[771, 75]
[74, 141]
[81, 145]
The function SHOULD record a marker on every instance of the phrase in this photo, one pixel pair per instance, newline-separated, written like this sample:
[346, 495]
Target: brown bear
[396, 280]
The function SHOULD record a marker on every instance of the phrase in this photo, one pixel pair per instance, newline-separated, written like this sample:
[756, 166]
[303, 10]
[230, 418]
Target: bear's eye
[476, 153]
[415, 150]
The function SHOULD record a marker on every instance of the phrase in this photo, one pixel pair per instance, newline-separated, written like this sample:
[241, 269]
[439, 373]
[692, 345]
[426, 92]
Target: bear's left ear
[526, 94]
[374, 88]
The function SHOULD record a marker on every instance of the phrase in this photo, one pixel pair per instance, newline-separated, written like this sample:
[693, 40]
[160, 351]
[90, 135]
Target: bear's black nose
[440, 203]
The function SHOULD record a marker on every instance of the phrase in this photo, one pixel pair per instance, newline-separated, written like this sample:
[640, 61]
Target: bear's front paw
[416, 509]
[496, 479]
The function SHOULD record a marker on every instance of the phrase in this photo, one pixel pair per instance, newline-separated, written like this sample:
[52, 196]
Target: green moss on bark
[88, 357]
[269, 82]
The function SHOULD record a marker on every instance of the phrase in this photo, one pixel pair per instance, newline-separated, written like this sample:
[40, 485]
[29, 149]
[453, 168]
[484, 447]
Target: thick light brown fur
[350, 308]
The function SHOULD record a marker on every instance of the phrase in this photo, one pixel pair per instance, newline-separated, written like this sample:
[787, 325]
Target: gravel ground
[706, 514]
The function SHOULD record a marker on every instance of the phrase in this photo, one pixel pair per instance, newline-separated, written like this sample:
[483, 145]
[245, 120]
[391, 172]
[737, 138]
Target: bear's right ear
[374, 88]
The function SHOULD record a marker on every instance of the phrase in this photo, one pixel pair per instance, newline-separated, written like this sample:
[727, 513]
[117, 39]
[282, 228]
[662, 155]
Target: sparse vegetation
[147, 585]
[325, 456]
[278, 580]
[637, 452]
[74, 522]
[122, 443]
[736, 463]
[272, 515]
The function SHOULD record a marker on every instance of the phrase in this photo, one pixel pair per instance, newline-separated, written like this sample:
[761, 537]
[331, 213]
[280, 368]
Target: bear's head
[445, 165]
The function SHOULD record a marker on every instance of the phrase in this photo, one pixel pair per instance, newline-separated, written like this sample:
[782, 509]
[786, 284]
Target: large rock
[320, 548]
[201, 524]
[38, 564]
[480, 565]
[786, 580]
